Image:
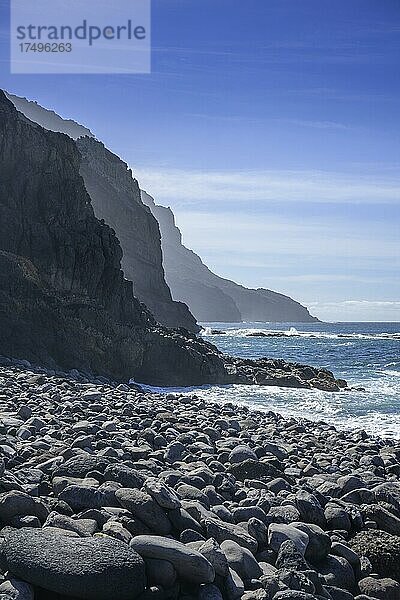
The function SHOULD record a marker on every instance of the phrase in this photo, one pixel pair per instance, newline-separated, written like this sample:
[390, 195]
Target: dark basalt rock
[382, 550]
[115, 196]
[194, 488]
[64, 301]
[87, 568]
[63, 297]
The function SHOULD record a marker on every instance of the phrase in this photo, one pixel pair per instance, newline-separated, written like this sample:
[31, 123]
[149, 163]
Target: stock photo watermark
[80, 36]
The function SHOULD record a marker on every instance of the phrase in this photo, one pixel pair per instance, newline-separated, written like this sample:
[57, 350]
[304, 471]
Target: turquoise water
[365, 354]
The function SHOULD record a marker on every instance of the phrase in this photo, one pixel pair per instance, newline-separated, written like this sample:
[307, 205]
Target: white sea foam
[345, 410]
[293, 332]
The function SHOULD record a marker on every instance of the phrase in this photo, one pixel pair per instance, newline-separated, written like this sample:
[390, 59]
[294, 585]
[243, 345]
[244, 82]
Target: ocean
[365, 354]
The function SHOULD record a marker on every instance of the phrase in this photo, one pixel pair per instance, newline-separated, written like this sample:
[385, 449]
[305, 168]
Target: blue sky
[271, 127]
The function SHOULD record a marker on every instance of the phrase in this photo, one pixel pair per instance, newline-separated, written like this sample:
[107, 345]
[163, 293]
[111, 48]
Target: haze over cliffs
[116, 198]
[63, 297]
[64, 300]
[210, 297]
[155, 274]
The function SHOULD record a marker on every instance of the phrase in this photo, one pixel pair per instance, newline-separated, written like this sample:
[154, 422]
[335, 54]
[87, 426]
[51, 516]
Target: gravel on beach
[111, 493]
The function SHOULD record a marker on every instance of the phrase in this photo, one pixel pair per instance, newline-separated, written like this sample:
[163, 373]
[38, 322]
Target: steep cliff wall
[188, 277]
[48, 118]
[210, 297]
[63, 297]
[64, 301]
[116, 198]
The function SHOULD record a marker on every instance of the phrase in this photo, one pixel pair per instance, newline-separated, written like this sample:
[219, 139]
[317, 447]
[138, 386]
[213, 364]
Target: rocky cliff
[116, 198]
[63, 297]
[210, 297]
[48, 118]
[64, 301]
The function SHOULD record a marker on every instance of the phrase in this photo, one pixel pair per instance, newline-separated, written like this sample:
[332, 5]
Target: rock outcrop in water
[210, 297]
[63, 297]
[107, 493]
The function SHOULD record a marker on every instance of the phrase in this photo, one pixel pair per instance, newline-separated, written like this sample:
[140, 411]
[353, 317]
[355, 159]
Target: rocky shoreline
[110, 493]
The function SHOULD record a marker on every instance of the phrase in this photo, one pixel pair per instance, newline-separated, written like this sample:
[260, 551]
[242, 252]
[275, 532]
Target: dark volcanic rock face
[64, 300]
[116, 198]
[210, 297]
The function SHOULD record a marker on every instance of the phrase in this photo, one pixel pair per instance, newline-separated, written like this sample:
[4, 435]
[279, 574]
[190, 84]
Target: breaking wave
[293, 332]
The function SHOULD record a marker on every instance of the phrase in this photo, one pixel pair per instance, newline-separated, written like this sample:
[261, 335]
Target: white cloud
[205, 187]
[270, 235]
[357, 310]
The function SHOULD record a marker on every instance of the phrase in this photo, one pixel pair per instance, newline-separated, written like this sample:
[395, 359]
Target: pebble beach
[112, 493]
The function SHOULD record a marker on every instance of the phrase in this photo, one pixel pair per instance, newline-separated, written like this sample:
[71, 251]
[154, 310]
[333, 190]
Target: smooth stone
[88, 568]
[319, 542]
[127, 477]
[145, 508]
[211, 550]
[310, 509]
[84, 527]
[116, 530]
[18, 503]
[241, 560]
[80, 497]
[234, 586]
[241, 453]
[337, 571]
[162, 494]
[337, 518]
[222, 531]
[160, 572]
[189, 564]
[278, 533]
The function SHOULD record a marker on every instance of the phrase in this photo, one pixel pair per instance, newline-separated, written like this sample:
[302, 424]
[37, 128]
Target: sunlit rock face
[210, 297]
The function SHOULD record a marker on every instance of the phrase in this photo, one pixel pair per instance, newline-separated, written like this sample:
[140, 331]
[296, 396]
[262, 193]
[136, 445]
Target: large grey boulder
[241, 560]
[145, 508]
[189, 564]
[87, 568]
[384, 589]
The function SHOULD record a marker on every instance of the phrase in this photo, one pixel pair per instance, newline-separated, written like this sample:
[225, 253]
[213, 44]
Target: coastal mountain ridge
[209, 296]
[64, 301]
[115, 197]
[174, 284]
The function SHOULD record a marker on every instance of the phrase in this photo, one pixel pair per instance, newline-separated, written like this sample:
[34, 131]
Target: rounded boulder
[87, 568]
